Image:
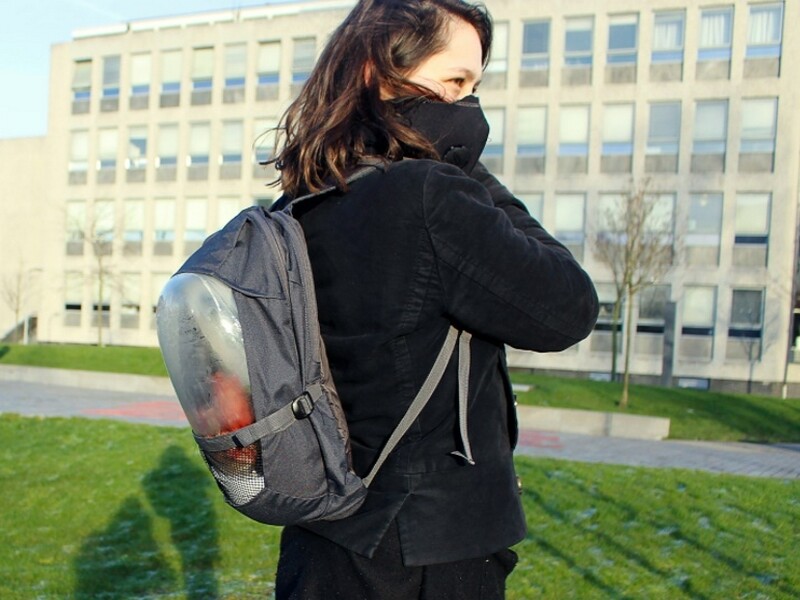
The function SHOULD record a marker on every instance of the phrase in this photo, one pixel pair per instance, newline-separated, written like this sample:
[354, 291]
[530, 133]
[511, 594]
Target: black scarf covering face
[458, 130]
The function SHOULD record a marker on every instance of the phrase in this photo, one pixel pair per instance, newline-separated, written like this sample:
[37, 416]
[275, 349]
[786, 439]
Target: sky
[29, 27]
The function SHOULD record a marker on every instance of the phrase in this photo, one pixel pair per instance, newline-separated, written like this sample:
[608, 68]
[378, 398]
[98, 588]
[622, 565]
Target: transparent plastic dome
[201, 340]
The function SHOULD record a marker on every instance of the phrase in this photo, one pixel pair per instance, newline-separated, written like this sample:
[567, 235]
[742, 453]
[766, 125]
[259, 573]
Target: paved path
[781, 461]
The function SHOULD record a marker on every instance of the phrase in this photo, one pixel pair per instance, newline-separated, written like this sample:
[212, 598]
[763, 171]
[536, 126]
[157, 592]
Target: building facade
[157, 128]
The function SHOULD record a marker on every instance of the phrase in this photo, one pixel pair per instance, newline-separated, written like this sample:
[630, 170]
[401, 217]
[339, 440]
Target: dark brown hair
[339, 117]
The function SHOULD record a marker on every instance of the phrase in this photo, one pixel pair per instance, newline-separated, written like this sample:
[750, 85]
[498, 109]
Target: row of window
[198, 143]
[135, 221]
[748, 216]
[715, 37]
[697, 308]
[98, 225]
[765, 26]
[698, 317]
[757, 135]
[757, 128]
[201, 73]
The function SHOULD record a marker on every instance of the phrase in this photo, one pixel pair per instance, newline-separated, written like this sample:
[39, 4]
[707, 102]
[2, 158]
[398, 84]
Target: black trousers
[314, 568]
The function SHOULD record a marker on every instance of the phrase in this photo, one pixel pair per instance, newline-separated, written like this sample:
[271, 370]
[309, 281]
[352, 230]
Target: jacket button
[519, 485]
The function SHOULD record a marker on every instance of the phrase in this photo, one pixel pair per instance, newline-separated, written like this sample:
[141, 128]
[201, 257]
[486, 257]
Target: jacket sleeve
[503, 276]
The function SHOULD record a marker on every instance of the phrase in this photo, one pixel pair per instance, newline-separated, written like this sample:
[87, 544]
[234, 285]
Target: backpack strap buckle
[302, 406]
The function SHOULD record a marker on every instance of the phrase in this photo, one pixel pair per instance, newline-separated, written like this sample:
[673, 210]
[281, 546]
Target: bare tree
[16, 289]
[98, 233]
[635, 239]
[13, 292]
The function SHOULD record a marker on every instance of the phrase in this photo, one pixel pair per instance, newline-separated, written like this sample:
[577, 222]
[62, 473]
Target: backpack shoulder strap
[426, 391]
[363, 170]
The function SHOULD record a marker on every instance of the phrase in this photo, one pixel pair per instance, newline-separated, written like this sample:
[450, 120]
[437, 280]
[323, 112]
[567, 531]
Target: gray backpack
[238, 329]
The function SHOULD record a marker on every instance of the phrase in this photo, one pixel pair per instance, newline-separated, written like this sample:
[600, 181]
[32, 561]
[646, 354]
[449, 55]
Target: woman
[399, 254]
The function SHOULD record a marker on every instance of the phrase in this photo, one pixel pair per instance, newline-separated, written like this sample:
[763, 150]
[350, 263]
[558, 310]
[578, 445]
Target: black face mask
[458, 130]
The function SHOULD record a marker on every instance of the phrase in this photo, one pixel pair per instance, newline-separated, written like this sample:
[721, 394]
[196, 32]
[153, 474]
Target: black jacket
[397, 258]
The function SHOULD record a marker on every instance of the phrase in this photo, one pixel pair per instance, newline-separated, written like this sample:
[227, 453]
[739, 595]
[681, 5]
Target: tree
[15, 290]
[635, 239]
[98, 233]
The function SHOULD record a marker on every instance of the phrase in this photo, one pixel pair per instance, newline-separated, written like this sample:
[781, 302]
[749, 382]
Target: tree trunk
[623, 401]
[615, 337]
[99, 315]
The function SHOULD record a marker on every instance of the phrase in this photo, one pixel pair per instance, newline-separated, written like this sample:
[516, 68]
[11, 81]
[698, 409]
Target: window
[764, 30]
[698, 315]
[133, 221]
[73, 298]
[660, 222]
[498, 60]
[137, 147]
[618, 129]
[231, 146]
[751, 230]
[534, 202]
[650, 325]
[569, 222]
[494, 145]
[536, 45]
[227, 208]
[167, 146]
[606, 323]
[202, 69]
[664, 130]
[130, 305]
[264, 136]
[668, 37]
[140, 74]
[235, 65]
[622, 39]
[157, 283]
[303, 59]
[164, 220]
[532, 131]
[171, 72]
[269, 63]
[573, 134]
[107, 149]
[715, 34]
[82, 81]
[104, 225]
[199, 144]
[703, 229]
[79, 152]
[101, 305]
[758, 125]
[699, 312]
[111, 77]
[75, 227]
[578, 42]
[195, 223]
[744, 331]
[710, 127]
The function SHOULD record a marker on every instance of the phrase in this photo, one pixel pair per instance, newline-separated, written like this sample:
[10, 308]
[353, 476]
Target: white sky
[29, 27]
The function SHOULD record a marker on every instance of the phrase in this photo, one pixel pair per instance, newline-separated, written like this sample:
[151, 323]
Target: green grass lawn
[693, 414]
[104, 509]
[110, 359]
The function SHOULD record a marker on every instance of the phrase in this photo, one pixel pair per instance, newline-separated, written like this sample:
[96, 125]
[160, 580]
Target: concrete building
[156, 132]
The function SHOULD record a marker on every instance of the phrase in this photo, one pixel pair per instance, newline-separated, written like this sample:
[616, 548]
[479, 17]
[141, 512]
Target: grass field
[103, 509]
[693, 414]
[110, 359]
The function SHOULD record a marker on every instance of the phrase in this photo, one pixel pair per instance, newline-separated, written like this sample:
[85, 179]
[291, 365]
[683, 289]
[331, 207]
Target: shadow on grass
[4, 350]
[178, 491]
[125, 561]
